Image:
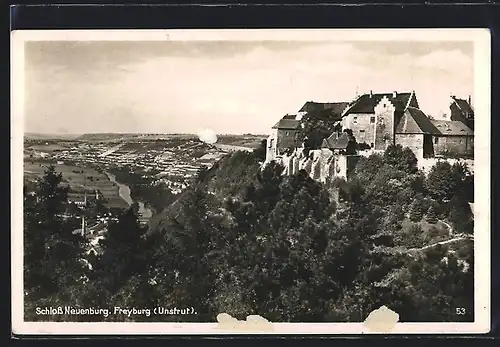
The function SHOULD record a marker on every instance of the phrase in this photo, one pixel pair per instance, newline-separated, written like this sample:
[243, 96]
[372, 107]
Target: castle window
[287, 133]
[355, 120]
[372, 119]
[361, 131]
[271, 143]
[371, 145]
[436, 139]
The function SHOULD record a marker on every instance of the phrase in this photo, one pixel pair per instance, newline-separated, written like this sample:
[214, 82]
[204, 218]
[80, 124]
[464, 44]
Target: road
[445, 242]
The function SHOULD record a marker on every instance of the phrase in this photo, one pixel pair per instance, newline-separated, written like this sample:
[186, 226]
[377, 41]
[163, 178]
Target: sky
[75, 87]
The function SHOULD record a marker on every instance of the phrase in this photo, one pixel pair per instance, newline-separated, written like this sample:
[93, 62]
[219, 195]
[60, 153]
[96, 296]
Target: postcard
[219, 182]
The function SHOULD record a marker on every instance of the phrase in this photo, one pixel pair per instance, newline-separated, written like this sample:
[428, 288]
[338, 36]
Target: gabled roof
[463, 105]
[366, 103]
[336, 141]
[452, 127]
[335, 107]
[285, 123]
[330, 111]
[414, 121]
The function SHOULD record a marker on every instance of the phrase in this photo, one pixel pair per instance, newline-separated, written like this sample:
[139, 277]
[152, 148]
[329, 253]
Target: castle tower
[384, 126]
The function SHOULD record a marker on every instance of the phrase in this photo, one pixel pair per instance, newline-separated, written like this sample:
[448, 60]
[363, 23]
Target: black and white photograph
[253, 181]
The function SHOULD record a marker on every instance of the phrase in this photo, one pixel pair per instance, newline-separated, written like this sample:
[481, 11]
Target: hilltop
[38, 136]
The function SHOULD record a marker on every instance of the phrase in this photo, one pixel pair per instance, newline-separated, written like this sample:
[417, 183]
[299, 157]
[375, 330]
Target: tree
[461, 215]
[260, 152]
[462, 184]
[439, 182]
[431, 216]
[123, 269]
[401, 158]
[52, 253]
[368, 167]
[416, 210]
[316, 127]
[352, 145]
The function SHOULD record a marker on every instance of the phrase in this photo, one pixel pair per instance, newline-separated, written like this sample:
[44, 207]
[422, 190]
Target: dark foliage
[245, 239]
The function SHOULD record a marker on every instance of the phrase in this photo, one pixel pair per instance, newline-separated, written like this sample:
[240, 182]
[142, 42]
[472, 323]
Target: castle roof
[452, 127]
[366, 103]
[464, 106]
[336, 141]
[286, 123]
[334, 108]
[414, 121]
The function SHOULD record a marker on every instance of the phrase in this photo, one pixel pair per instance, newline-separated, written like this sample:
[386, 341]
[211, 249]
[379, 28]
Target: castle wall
[271, 146]
[362, 126]
[286, 139]
[320, 164]
[414, 141]
[463, 145]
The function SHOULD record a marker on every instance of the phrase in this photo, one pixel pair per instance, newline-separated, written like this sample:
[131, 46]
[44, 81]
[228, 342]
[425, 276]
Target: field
[80, 178]
[251, 141]
[50, 147]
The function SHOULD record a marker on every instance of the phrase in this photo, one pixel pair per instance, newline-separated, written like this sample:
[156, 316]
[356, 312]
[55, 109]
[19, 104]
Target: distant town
[107, 169]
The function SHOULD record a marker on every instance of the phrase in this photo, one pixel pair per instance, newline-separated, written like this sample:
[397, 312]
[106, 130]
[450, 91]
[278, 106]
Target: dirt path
[450, 228]
[445, 242]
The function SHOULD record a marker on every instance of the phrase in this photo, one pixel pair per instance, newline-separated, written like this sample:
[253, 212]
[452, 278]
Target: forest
[245, 240]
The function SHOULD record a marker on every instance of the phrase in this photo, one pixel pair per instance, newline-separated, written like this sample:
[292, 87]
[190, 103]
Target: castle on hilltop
[368, 124]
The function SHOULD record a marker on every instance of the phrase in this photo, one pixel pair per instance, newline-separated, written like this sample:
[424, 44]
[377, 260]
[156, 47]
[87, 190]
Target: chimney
[394, 94]
[469, 100]
[371, 93]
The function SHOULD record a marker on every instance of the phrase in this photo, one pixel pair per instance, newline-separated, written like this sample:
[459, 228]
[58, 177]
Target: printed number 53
[460, 311]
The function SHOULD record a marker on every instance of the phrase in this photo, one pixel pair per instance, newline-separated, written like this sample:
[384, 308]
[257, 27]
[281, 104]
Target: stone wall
[271, 146]
[362, 126]
[454, 144]
[414, 141]
[286, 139]
[320, 164]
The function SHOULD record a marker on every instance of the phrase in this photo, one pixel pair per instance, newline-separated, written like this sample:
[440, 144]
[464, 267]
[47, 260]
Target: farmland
[251, 141]
[158, 161]
[80, 179]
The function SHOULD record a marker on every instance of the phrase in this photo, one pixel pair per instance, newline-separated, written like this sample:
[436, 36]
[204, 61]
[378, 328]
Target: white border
[482, 92]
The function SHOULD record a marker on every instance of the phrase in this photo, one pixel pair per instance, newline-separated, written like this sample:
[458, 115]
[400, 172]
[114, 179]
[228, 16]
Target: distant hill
[105, 136]
[38, 136]
[246, 140]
